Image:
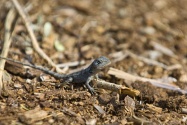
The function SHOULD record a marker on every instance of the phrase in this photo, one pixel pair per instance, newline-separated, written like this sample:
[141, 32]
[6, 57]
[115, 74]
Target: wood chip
[99, 108]
[34, 115]
[154, 108]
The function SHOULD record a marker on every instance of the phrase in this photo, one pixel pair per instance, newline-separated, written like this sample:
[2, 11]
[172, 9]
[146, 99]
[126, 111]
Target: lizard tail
[54, 74]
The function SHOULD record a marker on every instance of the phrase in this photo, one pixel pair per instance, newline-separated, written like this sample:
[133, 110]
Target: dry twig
[118, 88]
[146, 60]
[163, 49]
[32, 36]
[118, 56]
[7, 41]
[132, 78]
[153, 62]
[71, 64]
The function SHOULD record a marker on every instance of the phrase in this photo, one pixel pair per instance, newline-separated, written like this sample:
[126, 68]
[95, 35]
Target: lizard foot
[92, 91]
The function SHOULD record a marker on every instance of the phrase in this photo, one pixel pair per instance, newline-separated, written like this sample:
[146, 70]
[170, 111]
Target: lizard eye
[98, 62]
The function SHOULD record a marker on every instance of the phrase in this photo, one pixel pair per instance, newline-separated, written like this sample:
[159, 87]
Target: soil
[69, 31]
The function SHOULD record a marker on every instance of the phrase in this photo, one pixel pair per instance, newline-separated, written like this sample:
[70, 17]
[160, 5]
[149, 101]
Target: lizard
[84, 76]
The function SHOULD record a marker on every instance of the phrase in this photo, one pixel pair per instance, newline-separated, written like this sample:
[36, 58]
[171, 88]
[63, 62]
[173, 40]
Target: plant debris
[145, 41]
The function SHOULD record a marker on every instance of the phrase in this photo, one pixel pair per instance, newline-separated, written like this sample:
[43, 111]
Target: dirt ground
[69, 31]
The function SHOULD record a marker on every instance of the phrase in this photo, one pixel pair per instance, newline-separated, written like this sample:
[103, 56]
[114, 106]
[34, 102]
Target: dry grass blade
[118, 56]
[163, 49]
[32, 36]
[153, 62]
[7, 41]
[146, 60]
[71, 64]
[132, 78]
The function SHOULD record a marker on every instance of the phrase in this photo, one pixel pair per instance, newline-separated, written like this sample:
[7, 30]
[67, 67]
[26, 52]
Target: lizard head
[99, 64]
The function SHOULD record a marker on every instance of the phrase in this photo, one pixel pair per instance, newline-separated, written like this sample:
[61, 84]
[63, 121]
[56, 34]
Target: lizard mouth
[105, 65]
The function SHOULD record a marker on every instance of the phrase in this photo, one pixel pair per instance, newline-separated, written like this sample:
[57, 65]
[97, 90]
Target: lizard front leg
[88, 85]
[96, 76]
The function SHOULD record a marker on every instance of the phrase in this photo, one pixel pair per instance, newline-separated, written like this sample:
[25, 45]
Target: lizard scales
[83, 76]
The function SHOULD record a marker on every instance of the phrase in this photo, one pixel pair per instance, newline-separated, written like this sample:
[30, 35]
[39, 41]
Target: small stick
[7, 41]
[118, 56]
[163, 49]
[117, 88]
[132, 78]
[32, 36]
[146, 60]
[71, 64]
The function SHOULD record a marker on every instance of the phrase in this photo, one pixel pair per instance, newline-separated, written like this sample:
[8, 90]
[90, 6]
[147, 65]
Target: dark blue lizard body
[84, 76]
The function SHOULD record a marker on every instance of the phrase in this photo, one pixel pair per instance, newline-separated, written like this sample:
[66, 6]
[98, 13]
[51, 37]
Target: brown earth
[86, 29]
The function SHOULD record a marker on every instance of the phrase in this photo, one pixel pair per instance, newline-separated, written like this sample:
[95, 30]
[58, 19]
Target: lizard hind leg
[65, 82]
